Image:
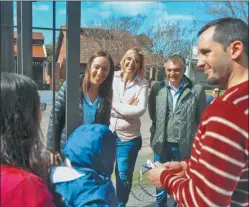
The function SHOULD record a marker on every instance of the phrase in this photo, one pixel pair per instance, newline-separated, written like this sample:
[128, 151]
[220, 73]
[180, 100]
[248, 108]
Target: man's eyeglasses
[43, 106]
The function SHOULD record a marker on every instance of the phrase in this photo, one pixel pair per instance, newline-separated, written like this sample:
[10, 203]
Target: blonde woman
[130, 91]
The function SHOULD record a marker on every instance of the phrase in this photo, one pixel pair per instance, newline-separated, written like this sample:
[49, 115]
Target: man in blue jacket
[215, 94]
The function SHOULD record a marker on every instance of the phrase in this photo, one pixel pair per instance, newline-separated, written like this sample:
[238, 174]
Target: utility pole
[189, 68]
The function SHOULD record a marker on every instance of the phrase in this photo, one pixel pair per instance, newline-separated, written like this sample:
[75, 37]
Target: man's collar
[187, 82]
[180, 86]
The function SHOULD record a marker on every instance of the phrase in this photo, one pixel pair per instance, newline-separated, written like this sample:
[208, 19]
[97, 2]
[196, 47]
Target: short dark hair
[22, 143]
[105, 89]
[228, 30]
[216, 87]
[177, 57]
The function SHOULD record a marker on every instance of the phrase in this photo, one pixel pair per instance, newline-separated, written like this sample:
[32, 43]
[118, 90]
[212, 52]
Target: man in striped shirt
[216, 175]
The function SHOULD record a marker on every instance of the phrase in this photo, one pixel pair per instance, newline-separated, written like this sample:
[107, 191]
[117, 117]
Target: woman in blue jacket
[95, 96]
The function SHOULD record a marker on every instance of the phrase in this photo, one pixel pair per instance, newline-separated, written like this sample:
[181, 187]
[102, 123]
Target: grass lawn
[209, 92]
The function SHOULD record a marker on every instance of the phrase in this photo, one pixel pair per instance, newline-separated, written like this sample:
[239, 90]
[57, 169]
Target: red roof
[37, 51]
[35, 35]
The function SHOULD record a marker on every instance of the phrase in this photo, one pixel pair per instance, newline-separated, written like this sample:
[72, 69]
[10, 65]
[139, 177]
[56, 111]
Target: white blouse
[125, 118]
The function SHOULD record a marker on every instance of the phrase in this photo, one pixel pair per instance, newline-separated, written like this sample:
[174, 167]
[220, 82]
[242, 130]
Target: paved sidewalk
[144, 154]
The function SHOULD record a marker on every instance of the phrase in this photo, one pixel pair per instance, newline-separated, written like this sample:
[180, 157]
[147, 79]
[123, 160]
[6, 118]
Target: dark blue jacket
[102, 116]
[209, 99]
[91, 150]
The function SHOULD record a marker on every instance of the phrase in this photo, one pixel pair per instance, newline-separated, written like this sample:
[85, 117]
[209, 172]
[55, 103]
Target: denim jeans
[171, 153]
[126, 155]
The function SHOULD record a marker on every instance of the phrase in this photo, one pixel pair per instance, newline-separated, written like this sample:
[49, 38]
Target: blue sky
[156, 12]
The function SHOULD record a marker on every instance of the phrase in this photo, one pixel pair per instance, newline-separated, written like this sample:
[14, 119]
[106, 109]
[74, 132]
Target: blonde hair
[141, 70]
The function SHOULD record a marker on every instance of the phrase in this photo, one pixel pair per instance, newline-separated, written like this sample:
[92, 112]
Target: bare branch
[238, 9]
[168, 38]
[243, 8]
[230, 7]
[117, 34]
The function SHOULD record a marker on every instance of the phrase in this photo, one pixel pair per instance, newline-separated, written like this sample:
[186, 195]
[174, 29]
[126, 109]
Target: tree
[168, 37]
[49, 50]
[116, 34]
[238, 9]
[145, 41]
[130, 24]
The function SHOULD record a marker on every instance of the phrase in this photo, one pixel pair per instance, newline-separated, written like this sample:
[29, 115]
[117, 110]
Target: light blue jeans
[171, 153]
[126, 156]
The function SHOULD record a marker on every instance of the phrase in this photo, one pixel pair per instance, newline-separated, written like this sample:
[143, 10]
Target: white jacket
[125, 118]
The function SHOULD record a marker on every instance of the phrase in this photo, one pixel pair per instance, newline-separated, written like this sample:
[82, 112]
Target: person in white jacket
[130, 92]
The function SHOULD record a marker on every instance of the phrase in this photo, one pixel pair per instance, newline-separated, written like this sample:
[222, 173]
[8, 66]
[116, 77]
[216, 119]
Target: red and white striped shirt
[217, 173]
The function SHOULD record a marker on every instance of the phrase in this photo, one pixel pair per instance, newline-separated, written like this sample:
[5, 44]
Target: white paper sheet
[63, 174]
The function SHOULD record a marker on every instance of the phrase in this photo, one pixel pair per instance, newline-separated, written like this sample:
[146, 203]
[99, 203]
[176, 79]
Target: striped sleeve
[218, 158]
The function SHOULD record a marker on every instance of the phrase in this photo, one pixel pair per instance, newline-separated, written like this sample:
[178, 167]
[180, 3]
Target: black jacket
[102, 117]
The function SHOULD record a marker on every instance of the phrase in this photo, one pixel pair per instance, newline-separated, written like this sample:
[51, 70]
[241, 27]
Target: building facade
[39, 58]
[93, 40]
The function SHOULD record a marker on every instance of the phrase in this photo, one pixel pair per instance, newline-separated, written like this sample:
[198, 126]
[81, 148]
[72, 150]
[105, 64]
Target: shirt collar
[136, 79]
[88, 100]
[179, 88]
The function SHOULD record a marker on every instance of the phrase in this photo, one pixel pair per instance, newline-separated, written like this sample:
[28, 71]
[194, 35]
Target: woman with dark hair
[130, 91]
[95, 97]
[24, 159]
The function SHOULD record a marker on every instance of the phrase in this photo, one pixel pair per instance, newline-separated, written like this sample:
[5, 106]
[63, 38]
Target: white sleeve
[114, 114]
[132, 111]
